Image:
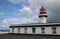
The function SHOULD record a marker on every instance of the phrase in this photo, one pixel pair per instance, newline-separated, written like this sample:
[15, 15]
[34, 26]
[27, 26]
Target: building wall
[48, 30]
[29, 30]
[38, 30]
[58, 30]
[15, 30]
[22, 30]
[10, 30]
[43, 20]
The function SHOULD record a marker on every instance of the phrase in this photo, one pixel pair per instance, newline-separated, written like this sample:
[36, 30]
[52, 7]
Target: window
[54, 30]
[25, 30]
[33, 30]
[12, 30]
[18, 30]
[42, 30]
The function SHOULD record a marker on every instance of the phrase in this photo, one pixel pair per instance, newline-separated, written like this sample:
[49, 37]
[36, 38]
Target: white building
[37, 28]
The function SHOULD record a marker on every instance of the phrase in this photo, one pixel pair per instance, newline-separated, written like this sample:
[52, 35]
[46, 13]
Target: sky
[27, 11]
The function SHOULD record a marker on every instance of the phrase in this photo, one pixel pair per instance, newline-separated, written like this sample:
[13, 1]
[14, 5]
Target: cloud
[4, 27]
[52, 8]
[19, 20]
[14, 20]
[25, 11]
[8, 21]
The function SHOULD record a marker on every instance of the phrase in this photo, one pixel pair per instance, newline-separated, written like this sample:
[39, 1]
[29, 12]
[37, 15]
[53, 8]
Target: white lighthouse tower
[43, 15]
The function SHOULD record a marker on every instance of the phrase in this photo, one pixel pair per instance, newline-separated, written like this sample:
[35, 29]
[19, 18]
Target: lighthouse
[43, 15]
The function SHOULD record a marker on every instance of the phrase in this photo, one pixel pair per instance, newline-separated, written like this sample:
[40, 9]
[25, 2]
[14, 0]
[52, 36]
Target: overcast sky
[27, 11]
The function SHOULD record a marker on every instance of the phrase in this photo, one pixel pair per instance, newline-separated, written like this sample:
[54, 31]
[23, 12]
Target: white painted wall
[48, 30]
[22, 30]
[43, 20]
[38, 30]
[29, 30]
[58, 30]
[10, 30]
[15, 30]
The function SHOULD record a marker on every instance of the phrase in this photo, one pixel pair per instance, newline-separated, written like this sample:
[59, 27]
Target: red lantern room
[42, 10]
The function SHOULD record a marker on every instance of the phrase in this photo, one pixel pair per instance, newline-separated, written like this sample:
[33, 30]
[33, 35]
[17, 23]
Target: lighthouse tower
[43, 15]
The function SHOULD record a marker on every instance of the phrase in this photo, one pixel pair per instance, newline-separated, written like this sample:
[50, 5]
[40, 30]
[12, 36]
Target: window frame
[25, 30]
[42, 30]
[18, 29]
[54, 30]
[12, 30]
[33, 30]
